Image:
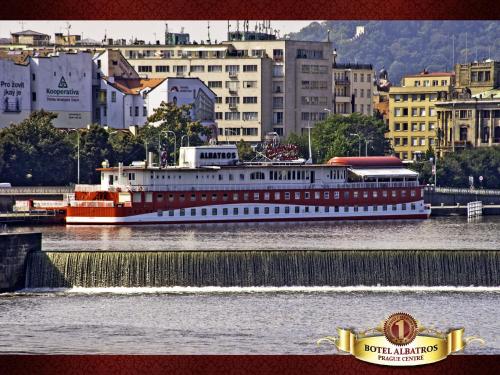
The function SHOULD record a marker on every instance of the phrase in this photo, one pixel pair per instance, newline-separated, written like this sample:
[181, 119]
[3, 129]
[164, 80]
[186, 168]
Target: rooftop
[133, 86]
[433, 74]
[29, 33]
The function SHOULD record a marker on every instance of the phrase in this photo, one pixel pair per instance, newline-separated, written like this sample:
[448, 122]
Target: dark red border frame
[253, 9]
[235, 365]
[223, 10]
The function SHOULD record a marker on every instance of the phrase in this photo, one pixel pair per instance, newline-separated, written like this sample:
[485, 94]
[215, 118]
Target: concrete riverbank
[14, 250]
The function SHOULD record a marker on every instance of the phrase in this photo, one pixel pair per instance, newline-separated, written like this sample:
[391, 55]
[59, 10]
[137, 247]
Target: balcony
[233, 91]
[180, 73]
[233, 74]
[233, 106]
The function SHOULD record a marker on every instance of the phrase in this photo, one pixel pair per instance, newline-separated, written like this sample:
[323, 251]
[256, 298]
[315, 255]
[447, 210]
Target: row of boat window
[286, 210]
[290, 175]
[267, 195]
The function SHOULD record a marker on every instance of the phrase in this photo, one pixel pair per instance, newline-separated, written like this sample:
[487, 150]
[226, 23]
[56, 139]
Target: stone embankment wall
[14, 249]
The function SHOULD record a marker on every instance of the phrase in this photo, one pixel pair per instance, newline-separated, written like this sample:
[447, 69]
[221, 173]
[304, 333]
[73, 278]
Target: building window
[145, 69]
[249, 68]
[113, 96]
[249, 84]
[251, 131]
[249, 100]
[144, 111]
[215, 84]
[33, 96]
[197, 68]
[136, 112]
[162, 69]
[218, 115]
[277, 118]
[215, 68]
[234, 116]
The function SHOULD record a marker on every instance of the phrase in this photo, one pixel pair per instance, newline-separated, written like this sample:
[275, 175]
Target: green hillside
[405, 47]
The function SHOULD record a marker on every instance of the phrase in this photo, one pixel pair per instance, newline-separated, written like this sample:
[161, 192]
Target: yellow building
[412, 112]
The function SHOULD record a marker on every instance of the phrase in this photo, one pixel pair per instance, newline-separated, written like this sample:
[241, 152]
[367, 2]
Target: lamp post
[78, 154]
[434, 169]
[359, 142]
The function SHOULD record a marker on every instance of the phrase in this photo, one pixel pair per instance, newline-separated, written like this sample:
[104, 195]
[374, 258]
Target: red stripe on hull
[366, 218]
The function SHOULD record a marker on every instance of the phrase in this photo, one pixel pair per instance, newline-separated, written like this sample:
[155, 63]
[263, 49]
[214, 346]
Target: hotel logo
[400, 340]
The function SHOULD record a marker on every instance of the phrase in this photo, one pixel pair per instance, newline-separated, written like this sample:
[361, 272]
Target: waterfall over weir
[263, 268]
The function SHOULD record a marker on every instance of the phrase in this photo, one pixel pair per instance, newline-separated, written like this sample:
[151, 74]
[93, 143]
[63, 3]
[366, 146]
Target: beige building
[353, 88]
[262, 86]
[412, 112]
[466, 121]
[478, 76]
[30, 37]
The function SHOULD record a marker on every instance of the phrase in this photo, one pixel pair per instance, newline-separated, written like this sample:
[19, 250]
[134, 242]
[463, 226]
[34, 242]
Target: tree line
[35, 153]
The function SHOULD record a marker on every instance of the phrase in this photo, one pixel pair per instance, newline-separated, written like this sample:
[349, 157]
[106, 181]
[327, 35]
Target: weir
[58, 269]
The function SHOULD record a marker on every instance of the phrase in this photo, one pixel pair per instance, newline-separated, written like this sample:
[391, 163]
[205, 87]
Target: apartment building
[262, 86]
[468, 121]
[412, 112]
[353, 88]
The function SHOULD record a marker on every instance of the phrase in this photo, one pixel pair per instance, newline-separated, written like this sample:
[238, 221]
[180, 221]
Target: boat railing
[236, 186]
[88, 188]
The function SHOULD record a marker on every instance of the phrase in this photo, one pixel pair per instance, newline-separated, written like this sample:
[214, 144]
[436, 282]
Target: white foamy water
[263, 289]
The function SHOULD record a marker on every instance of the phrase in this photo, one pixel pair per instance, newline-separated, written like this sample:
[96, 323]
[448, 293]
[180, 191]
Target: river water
[437, 233]
[245, 320]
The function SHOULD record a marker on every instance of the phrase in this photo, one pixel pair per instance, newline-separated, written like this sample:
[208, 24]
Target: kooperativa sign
[63, 93]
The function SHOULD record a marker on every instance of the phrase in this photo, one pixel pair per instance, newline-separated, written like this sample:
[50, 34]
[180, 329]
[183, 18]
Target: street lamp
[78, 152]
[359, 142]
[434, 169]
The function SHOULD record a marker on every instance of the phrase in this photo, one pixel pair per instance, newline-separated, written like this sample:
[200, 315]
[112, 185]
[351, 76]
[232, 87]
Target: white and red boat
[210, 184]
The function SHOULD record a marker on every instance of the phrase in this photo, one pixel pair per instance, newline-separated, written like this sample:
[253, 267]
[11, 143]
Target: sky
[148, 31]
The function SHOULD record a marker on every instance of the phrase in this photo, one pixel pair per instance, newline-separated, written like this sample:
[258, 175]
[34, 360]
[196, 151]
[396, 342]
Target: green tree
[349, 136]
[169, 117]
[245, 151]
[126, 147]
[95, 148]
[33, 152]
